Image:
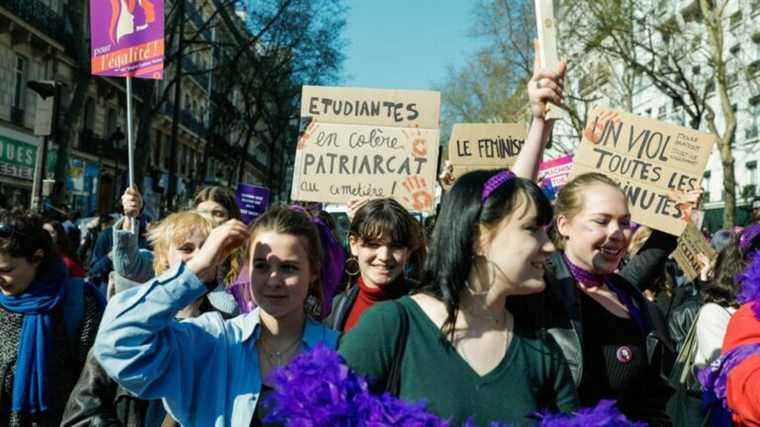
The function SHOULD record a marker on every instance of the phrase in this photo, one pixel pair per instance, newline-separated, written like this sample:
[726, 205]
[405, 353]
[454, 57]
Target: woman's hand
[545, 86]
[708, 267]
[222, 241]
[446, 178]
[131, 203]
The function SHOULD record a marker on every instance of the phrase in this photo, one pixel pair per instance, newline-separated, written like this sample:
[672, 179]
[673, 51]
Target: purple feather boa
[750, 283]
[714, 377]
[318, 390]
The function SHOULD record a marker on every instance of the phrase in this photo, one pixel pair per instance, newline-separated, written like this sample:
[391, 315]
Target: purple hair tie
[748, 235]
[495, 182]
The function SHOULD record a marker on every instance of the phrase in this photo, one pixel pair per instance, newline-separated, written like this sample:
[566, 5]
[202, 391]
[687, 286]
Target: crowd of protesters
[508, 305]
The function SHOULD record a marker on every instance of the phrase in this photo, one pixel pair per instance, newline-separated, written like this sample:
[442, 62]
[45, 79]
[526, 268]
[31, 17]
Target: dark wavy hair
[26, 237]
[457, 226]
[62, 243]
[724, 288]
[381, 218]
[222, 195]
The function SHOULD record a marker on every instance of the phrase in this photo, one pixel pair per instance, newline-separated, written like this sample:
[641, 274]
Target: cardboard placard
[478, 146]
[690, 245]
[655, 164]
[357, 143]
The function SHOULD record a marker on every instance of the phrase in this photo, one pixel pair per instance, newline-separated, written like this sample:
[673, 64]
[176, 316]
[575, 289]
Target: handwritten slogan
[475, 146]
[357, 143]
[691, 244]
[655, 164]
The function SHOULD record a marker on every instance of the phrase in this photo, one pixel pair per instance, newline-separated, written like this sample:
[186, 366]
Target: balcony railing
[39, 15]
[101, 147]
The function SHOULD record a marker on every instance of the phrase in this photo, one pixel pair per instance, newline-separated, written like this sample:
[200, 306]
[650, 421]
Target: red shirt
[367, 297]
[743, 385]
[74, 269]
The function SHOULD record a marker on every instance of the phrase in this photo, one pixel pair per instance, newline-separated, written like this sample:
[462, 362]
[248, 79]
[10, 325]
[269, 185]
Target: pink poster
[127, 38]
[556, 171]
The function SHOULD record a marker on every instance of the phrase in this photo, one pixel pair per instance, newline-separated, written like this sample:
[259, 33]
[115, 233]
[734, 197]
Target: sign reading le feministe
[474, 146]
[357, 143]
[655, 164]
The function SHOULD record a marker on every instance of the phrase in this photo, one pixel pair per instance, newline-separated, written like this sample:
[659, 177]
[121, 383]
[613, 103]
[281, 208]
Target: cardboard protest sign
[357, 143]
[655, 164]
[690, 245]
[475, 146]
[547, 41]
[252, 201]
[127, 38]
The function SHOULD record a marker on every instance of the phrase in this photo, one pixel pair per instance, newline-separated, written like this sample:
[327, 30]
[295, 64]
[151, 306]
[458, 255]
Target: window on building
[111, 122]
[706, 185]
[89, 114]
[734, 108]
[19, 90]
[735, 49]
[662, 112]
[750, 189]
[156, 160]
[696, 70]
[736, 19]
[751, 133]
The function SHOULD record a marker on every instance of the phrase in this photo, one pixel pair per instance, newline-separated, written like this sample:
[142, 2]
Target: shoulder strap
[393, 383]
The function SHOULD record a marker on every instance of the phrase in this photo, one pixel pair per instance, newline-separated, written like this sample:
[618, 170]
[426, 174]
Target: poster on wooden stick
[691, 245]
[655, 163]
[367, 143]
[478, 146]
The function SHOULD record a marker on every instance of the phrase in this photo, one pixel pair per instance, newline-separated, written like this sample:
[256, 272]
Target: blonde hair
[173, 230]
[570, 199]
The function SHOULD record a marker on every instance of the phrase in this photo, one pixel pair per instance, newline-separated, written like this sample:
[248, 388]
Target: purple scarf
[715, 376]
[588, 278]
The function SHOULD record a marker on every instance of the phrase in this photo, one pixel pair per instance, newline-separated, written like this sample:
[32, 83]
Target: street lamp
[45, 89]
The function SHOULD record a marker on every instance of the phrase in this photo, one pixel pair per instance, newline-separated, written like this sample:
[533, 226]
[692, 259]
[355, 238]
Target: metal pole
[130, 142]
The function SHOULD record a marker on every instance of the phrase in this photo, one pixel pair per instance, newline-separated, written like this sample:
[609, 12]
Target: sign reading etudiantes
[356, 143]
[475, 146]
[690, 245]
[655, 164]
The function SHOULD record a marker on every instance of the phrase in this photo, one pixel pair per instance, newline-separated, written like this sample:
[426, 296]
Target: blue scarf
[30, 383]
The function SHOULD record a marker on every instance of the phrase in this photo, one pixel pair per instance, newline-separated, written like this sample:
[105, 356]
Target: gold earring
[352, 266]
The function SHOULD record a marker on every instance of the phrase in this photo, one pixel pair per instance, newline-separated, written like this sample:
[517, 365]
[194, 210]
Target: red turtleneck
[367, 297]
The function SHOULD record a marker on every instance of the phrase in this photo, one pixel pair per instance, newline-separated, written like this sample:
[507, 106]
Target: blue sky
[405, 44]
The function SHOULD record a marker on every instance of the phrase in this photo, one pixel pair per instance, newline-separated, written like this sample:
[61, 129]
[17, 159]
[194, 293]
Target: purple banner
[252, 201]
[127, 38]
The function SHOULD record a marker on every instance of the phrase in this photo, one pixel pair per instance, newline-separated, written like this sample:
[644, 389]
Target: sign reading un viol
[127, 38]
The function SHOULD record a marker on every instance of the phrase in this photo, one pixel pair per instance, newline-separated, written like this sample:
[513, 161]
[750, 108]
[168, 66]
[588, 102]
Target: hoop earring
[352, 267]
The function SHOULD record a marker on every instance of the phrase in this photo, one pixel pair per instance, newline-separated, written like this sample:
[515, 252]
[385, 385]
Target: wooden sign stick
[547, 40]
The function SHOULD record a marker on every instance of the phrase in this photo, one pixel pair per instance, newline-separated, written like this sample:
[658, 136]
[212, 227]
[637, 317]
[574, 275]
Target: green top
[532, 376]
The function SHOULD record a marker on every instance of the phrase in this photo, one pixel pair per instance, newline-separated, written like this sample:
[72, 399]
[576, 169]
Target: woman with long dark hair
[462, 349]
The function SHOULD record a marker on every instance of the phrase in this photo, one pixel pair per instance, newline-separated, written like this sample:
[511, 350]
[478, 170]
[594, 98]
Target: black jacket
[97, 400]
[341, 308]
[561, 316]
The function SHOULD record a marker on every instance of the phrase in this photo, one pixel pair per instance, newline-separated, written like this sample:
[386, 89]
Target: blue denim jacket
[205, 369]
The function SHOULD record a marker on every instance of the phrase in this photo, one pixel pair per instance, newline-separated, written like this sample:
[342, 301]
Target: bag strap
[393, 383]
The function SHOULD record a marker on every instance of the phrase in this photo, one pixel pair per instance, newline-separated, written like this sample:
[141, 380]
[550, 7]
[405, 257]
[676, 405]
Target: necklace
[485, 313]
[277, 358]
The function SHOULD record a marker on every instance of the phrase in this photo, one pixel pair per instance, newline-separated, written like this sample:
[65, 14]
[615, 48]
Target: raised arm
[544, 86]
